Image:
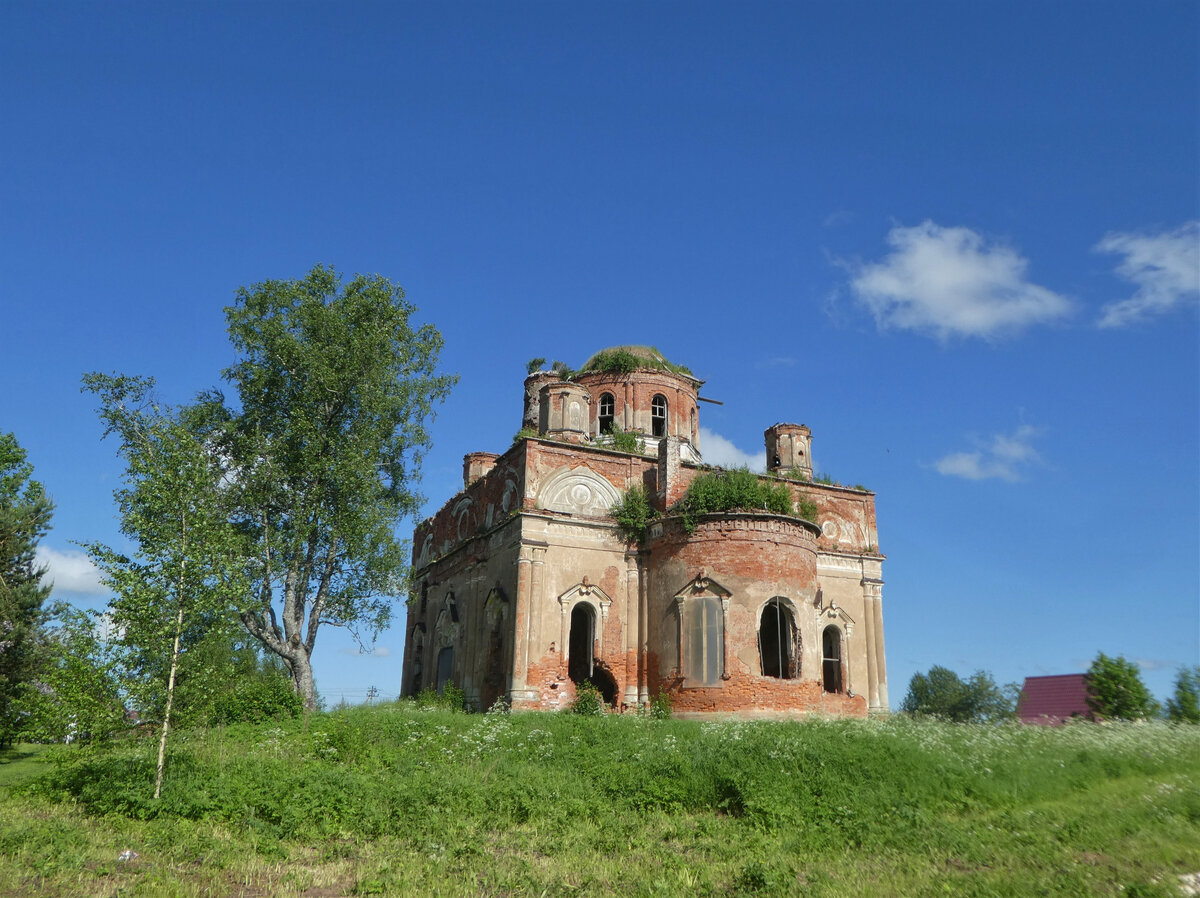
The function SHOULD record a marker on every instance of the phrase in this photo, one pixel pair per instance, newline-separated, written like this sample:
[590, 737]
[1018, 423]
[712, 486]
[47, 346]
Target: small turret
[789, 450]
[563, 411]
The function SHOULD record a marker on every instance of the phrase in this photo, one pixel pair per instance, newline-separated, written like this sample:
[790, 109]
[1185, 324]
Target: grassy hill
[399, 801]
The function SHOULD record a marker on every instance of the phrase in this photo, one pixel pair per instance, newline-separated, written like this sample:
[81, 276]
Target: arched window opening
[831, 666]
[606, 413]
[703, 638]
[445, 668]
[658, 415]
[777, 641]
[581, 643]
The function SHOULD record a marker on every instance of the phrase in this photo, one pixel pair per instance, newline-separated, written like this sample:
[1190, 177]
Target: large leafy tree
[25, 512]
[185, 575]
[1116, 690]
[1184, 705]
[334, 388]
[944, 694]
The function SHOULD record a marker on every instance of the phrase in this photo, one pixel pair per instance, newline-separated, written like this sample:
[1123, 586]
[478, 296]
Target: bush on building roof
[738, 489]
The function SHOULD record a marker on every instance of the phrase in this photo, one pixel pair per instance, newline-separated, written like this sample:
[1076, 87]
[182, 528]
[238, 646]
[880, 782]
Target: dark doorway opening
[776, 642]
[581, 645]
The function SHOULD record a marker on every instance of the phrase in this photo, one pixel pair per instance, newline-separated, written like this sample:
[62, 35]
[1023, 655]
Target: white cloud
[949, 282]
[71, 571]
[719, 451]
[1165, 267]
[1001, 458]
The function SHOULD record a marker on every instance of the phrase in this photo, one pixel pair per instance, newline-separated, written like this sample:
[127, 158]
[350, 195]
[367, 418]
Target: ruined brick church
[523, 589]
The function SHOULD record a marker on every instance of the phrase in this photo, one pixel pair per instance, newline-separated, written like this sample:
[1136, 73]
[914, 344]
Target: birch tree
[185, 575]
[334, 389]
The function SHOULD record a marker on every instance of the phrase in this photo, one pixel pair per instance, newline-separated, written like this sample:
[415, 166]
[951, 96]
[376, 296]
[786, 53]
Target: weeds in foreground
[399, 800]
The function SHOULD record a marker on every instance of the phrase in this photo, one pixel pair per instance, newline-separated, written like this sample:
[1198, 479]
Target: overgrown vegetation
[395, 800]
[738, 489]
[624, 441]
[633, 514]
[627, 359]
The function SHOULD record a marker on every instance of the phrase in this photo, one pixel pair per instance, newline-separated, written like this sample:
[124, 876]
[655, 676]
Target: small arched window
[606, 413]
[831, 665]
[658, 415]
[777, 641]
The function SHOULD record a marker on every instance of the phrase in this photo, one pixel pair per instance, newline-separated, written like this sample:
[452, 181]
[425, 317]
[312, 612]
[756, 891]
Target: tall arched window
[658, 415]
[606, 413]
[777, 641]
[831, 665]
[703, 641]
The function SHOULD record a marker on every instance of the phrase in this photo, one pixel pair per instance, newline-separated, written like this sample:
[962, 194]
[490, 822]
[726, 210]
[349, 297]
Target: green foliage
[451, 698]
[588, 701]
[735, 490]
[524, 433]
[633, 514]
[627, 442]
[403, 800]
[616, 361]
[534, 365]
[1184, 705]
[335, 387]
[25, 512]
[942, 694]
[79, 694]
[1116, 690]
[562, 369]
[186, 574]
[627, 359]
[660, 707]
[252, 687]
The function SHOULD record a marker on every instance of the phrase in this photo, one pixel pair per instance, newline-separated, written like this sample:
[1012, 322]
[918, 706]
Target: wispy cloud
[1164, 266]
[950, 282]
[719, 451]
[837, 217]
[379, 651]
[1001, 458]
[71, 571]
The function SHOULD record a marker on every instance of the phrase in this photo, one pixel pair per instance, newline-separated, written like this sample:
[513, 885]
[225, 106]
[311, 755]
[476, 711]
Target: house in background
[523, 589]
[1053, 700]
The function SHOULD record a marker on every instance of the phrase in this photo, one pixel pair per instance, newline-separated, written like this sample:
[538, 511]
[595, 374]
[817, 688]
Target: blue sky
[958, 241]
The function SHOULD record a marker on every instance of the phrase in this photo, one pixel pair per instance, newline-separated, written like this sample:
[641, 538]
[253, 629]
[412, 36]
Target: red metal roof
[1052, 700]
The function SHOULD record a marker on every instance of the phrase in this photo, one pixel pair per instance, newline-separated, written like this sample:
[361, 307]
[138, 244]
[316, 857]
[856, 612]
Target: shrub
[627, 442]
[633, 514]
[735, 490]
[588, 701]
[534, 365]
[660, 707]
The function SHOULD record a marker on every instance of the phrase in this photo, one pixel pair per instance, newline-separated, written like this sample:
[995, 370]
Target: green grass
[397, 801]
